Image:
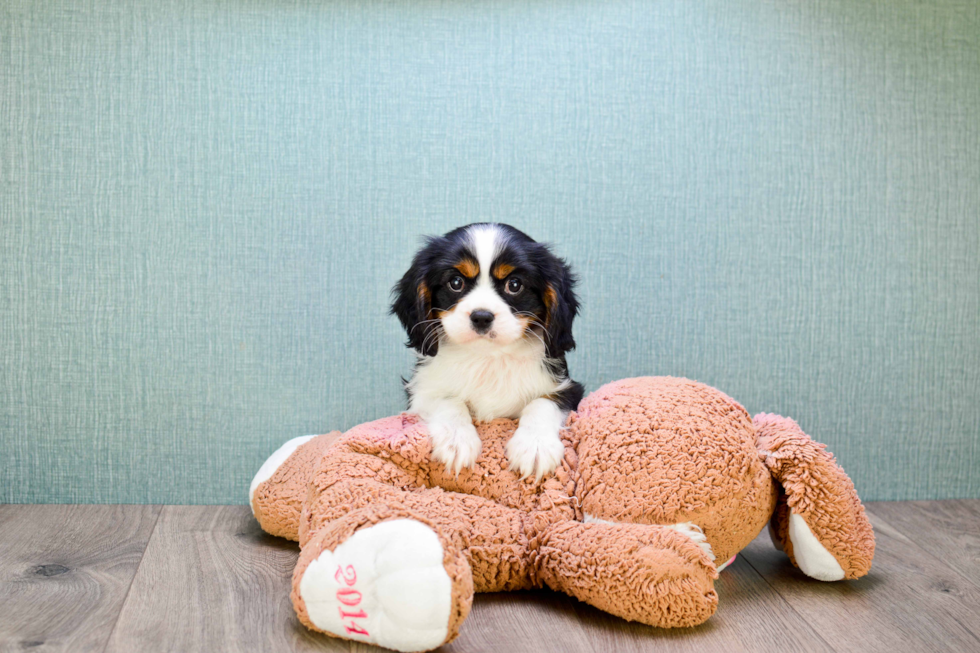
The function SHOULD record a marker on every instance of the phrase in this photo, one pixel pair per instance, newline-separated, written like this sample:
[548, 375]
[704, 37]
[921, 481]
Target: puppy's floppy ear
[412, 303]
[561, 307]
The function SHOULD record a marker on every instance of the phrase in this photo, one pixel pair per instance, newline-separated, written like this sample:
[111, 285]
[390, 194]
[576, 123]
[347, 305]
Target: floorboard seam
[956, 572]
[789, 605]
[953, 570]
[966, 628]
[129, 587]
[915, 542]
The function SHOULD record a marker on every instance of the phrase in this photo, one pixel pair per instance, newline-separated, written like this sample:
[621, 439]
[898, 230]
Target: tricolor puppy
[489, 312]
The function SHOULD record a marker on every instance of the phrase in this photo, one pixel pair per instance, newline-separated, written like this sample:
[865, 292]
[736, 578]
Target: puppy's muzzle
[481, 321]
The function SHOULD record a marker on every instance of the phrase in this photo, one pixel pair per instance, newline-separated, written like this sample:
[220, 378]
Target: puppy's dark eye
[513, 286]
[456, 283]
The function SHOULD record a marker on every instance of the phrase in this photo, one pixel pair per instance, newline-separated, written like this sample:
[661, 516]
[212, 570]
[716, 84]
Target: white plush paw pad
[273, 463]
[694, 532]
[813, 559]
[385, 585]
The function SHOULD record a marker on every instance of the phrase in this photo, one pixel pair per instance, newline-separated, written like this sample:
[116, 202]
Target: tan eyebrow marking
[468, 268]
[502, 270]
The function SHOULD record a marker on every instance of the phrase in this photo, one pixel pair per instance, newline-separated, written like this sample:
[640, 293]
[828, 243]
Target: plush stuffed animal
[662, 478]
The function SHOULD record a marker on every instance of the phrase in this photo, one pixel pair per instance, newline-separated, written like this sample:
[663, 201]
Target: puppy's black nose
[481, 320]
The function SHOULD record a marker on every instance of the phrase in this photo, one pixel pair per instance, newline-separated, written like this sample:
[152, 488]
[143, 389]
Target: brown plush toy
[662, 478]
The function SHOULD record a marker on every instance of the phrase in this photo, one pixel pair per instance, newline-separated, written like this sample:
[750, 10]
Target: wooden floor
[205, 578]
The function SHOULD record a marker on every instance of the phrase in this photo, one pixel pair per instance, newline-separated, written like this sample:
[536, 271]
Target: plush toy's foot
[386, 584]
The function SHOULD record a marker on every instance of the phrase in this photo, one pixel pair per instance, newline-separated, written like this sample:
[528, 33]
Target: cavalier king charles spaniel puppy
[489, 312]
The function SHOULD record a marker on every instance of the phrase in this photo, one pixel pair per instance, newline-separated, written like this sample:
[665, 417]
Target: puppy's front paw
[454, 443]
[535, 450]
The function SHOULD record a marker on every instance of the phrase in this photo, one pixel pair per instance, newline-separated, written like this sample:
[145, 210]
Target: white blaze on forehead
[486, 245]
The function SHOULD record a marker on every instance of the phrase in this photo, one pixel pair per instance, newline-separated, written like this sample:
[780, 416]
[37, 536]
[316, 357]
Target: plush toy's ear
[412, 303]
[561, 307]
[819, 520]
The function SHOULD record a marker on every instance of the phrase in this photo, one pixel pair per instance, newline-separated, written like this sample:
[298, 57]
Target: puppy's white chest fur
[493, 380]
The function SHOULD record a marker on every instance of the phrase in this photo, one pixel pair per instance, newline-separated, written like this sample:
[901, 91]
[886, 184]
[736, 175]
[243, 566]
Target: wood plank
[949, 530]
[65, 571]
[751, 616]
[211, 580]
[523, 622]
[516, 622]
[911, 600]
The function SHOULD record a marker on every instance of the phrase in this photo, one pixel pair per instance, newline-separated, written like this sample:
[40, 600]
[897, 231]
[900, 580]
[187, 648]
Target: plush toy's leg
[358, 474]
[652, 574]
[383, 576]
[279, 488]
[819, 520]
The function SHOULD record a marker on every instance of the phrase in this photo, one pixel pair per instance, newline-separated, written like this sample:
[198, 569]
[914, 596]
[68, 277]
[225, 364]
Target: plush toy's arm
[651, 574]
[279, 489]
[277, 492]
[819, 520]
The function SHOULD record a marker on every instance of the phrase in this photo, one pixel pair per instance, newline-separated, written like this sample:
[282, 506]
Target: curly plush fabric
[651, 574]
[277, 502]
[661, 478]
[670, 452]
[816, 488]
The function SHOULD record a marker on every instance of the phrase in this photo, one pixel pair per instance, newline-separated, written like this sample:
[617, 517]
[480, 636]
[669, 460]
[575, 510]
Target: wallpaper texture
[204, 204]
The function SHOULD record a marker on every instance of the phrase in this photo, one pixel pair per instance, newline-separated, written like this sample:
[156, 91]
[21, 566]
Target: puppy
[489, 312]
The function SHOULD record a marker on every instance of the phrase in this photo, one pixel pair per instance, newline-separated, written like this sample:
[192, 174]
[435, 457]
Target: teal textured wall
[203, 205]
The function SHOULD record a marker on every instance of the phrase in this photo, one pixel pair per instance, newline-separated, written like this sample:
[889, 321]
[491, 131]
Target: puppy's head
[487, 283]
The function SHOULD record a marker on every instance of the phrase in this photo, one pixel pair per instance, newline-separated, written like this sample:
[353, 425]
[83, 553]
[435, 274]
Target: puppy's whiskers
[423, 322]
[532, 321]
[435, 333]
